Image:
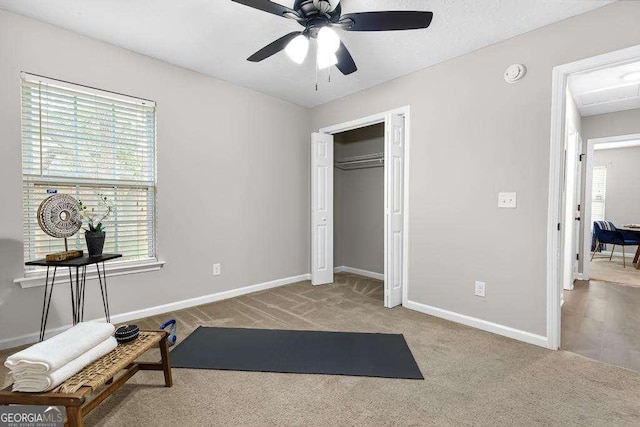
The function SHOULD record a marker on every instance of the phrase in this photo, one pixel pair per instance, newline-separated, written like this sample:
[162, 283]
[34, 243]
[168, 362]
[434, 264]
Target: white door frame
[561, 75]
[586, 213]
[372, 120]
[579, 210]
[571, 200]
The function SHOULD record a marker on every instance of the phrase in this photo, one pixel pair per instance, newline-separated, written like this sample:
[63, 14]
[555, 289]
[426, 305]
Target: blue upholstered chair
[607, 233]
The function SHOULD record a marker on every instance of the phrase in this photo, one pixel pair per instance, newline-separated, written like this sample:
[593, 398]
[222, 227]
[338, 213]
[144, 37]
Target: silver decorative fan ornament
[59, 216]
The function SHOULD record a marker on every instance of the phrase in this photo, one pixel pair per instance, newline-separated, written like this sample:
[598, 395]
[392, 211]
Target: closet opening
[359, 203]
[358, 209]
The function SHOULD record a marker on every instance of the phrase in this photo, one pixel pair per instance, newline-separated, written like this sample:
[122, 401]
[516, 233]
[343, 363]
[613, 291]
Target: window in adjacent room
[83, 142]
[598, 193]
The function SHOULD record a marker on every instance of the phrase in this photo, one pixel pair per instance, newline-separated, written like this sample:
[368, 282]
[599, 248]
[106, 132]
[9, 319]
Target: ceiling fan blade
[386, 21]
[345, 64]
[268, 6]
[273, 48]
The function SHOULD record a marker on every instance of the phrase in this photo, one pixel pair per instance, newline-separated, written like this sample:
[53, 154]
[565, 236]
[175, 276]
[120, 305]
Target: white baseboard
[359, 272]
[627, 254]
[606, 253]
[484, 325]
[165, 308]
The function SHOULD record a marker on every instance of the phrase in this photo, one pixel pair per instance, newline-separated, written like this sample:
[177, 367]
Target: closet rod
[360, 164]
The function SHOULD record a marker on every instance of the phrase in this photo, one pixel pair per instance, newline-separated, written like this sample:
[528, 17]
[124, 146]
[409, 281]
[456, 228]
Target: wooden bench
[73, 393]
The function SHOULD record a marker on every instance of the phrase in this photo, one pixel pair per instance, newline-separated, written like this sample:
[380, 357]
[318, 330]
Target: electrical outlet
[507, 200]
[216, 269]
[480, 289]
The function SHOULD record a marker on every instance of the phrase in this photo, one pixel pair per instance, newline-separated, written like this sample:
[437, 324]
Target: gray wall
[622, 203]
[233, 183]
[473, 135]
[359, 203]
[611, 124]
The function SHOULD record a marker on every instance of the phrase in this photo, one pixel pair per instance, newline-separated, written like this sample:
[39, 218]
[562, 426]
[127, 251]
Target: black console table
[77, 294]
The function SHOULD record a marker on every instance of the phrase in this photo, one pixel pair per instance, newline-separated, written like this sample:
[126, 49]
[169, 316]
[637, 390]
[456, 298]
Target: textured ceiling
[215, 37]
[607, 90]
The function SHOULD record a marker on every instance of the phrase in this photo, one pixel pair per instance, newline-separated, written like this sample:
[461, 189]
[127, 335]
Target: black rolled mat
[297, 352]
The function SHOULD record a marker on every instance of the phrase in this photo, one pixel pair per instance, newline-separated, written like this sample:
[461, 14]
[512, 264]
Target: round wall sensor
[514, 73]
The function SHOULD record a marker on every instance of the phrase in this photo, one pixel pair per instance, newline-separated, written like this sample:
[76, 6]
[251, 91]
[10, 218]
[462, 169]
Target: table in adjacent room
[636, 230]
[77, 285]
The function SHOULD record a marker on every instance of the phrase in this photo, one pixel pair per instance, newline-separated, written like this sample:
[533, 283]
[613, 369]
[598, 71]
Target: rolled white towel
[35, 383]
[54, 353]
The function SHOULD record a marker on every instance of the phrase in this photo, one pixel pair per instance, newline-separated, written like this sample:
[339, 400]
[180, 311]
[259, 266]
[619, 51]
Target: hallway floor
[601, 320]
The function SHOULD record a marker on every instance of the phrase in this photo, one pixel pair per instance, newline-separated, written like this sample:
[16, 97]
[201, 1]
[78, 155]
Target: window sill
[34, 279]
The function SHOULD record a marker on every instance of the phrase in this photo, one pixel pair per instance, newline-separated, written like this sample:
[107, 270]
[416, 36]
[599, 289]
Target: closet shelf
[374, 160]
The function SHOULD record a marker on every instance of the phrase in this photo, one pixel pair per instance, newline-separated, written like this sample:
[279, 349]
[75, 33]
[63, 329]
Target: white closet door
[321, 208]
[394, 209]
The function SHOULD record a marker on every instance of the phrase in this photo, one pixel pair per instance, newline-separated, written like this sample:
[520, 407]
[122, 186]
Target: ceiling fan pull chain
[316, 73]
[329, 79]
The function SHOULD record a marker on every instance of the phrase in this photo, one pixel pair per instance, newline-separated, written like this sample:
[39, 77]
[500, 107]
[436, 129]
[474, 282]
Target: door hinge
[558, 226]
[581, 155]
[579, 208]
[577, 257]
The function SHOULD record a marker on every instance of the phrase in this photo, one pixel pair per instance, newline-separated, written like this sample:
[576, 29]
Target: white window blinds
[598, 193]
[82, 142]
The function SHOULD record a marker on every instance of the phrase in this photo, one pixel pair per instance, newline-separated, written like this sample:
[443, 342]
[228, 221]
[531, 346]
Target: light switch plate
[479, 289]
[507, 200]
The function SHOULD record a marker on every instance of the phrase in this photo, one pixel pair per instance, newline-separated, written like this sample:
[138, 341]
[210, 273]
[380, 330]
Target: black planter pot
[95, 242]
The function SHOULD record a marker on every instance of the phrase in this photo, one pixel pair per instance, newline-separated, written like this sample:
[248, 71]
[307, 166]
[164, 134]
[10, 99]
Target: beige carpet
[613, 271]
[472, 377]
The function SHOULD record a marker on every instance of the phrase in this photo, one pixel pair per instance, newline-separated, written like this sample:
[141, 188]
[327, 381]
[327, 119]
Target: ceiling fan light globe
[297, 49]
[328, 40]
[326, 59]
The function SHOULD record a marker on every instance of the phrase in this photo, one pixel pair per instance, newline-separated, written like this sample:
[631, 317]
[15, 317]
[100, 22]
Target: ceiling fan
[319, 18]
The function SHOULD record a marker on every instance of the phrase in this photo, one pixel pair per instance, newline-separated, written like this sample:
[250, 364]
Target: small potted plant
[95, 234]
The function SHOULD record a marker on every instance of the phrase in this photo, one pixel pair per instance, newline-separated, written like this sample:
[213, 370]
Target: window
[82, 142]
[598, 193]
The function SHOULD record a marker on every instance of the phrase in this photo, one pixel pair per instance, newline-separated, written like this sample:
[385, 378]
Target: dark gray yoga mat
[299, 352]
